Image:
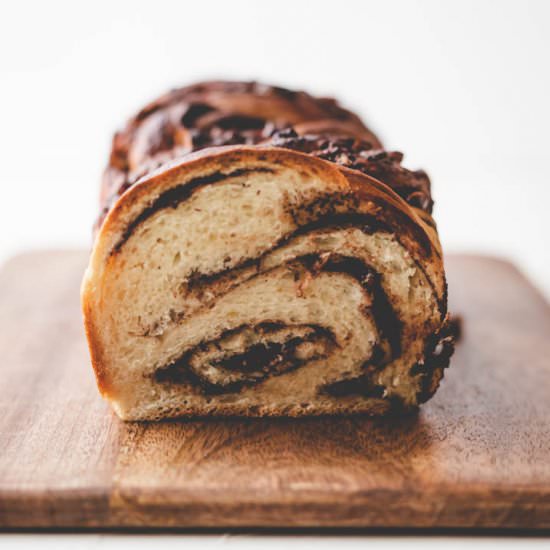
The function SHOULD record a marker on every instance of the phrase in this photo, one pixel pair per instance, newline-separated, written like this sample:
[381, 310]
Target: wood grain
[477, 455]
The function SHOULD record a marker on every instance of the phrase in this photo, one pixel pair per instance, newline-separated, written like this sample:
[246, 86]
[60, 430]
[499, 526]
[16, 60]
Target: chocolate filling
[360, 386]
[439, 348]
[322, 211]
[385, 318]
[364, 222]
[325, 211]
[268, 356]
[331, 204]
[229, 372]
[194, 112]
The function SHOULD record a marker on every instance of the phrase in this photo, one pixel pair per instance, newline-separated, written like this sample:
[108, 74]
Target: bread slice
[264, 280]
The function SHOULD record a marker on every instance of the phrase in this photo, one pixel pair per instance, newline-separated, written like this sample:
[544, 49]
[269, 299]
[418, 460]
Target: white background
[463, 88]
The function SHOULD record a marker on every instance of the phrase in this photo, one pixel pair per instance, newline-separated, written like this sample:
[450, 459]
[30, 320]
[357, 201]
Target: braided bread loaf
[259, 254]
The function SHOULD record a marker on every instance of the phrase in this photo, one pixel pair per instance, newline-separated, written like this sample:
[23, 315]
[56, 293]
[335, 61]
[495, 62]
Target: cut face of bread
[256, 280]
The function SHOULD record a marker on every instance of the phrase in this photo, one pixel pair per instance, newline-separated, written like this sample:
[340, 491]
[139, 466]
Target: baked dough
[282, 273]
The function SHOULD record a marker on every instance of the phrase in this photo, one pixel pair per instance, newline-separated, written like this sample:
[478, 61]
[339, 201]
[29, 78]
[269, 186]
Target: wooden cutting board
[477, 455]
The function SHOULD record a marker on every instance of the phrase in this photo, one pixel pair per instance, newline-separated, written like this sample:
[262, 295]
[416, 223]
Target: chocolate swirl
[267, 349]
[247, 355]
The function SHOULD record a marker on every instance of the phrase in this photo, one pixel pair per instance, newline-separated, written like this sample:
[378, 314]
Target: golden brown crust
[372, 407]
[93, 344]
